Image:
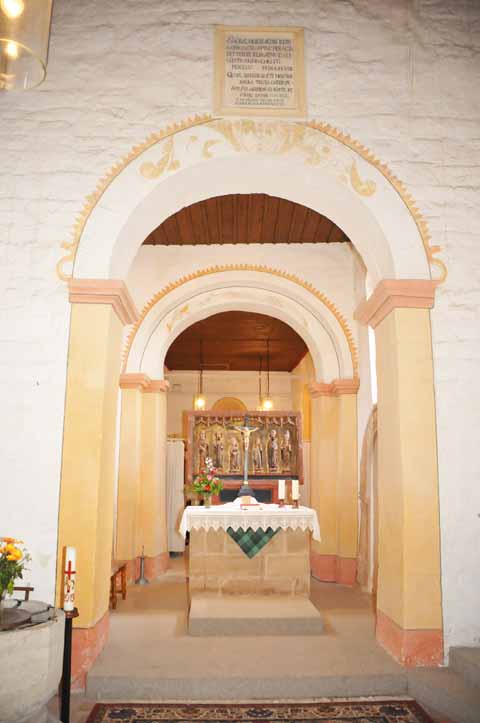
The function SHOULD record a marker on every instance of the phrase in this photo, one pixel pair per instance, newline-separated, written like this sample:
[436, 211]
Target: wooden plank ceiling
[245, 218]
[236, 340]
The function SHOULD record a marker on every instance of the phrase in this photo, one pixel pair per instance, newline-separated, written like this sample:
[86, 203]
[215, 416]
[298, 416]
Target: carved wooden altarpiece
[275, 449]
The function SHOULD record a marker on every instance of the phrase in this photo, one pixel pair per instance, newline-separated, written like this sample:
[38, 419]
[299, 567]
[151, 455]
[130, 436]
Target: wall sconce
[24, 38]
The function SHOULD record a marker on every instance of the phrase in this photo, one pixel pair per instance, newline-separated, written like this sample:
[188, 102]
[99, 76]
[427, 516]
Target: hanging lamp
[267, 403]
[199, 401]
[24, 39]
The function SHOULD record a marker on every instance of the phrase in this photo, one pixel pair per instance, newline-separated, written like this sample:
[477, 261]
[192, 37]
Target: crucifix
[245, 431]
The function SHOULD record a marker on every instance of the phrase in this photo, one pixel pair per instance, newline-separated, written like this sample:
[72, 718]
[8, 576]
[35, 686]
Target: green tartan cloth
[251, 541]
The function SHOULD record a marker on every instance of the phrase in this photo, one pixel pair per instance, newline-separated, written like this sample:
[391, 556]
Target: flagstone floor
[149, 654]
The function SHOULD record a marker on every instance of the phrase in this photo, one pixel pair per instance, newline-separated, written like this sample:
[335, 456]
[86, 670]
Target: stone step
[444, 690]
[253, 615]
[248, 687]
[466, 661]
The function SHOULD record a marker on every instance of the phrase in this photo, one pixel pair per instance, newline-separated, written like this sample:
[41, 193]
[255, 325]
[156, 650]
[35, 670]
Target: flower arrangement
[205, 482]
[12, 563]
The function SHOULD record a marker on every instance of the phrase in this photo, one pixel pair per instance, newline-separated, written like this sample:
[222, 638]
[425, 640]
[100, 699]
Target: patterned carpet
[387, 711]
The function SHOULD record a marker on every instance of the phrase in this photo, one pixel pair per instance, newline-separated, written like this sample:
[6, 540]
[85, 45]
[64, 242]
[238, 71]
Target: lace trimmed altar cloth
[221, 517]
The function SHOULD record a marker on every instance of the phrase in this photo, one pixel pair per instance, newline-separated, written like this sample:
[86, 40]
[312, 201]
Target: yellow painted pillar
[129, 468]
[347, 482]
[323, 474]
[99, 311]
[152, 517]
[334, 492]
[409, 615]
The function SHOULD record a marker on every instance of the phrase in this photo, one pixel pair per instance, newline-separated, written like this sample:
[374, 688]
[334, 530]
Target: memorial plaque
[259, 71]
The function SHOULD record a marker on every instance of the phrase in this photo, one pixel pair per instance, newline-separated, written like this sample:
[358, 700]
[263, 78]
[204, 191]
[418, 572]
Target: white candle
[295, 489]
[281, 489]
[69, 579]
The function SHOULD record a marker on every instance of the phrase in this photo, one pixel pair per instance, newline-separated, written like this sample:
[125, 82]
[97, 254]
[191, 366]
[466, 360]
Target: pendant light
[260, 401]
[24, 39]
[199, 401]
[267, 403]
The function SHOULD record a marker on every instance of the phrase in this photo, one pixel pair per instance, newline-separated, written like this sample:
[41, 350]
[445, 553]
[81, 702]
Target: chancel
[239, 348]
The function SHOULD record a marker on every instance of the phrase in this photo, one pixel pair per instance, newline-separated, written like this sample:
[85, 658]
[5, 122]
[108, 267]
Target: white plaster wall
[241, 385]
[329, 267]
[401, 77]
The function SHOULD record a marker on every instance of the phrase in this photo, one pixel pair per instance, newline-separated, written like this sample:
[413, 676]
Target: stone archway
[318, 167]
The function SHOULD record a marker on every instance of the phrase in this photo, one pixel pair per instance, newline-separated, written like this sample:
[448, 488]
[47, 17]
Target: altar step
[255, 615]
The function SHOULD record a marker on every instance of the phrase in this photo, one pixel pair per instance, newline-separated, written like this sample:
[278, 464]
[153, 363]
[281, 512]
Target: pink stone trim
[158, 385]
[412, 648]
[104, 291]
[394, 294]
[134, 381]
[332, 568]
[155, 566]
[346, 571]
[87, 644]
[143, 383]
[335, 388]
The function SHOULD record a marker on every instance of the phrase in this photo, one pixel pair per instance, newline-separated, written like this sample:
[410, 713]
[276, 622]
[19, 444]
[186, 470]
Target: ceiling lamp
[267, 403]
[199, 401]
[24, 38]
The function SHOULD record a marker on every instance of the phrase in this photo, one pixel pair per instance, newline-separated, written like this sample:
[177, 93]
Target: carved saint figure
[218, 448]
[286, 450]
[272, 450]
[257, 455]
[202, 449]
[234, 455]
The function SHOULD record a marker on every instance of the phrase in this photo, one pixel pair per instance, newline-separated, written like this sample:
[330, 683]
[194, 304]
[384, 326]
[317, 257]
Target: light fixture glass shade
[199, 402]
[267, 404]
[24, 37]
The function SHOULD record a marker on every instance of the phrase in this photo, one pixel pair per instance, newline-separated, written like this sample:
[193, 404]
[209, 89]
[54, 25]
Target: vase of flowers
[206, 483]
[12, 565]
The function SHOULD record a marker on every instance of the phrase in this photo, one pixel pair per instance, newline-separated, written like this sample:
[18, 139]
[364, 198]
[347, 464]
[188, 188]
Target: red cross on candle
[69, 572]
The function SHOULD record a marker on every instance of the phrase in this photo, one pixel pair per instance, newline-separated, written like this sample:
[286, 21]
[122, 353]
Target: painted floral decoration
[12, 563]
[206, 482]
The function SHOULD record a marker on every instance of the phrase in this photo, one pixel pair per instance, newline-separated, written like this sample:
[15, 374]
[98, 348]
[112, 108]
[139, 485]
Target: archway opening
[314, 291]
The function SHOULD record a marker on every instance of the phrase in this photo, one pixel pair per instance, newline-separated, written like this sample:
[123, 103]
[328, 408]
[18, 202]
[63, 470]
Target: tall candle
[295, 489]
[69, 579]
[281, 489]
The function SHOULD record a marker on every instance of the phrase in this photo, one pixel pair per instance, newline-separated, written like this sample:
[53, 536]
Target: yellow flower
[8, 539]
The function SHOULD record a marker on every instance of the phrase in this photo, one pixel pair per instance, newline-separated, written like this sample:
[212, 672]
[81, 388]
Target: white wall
[241, 385]
[401, 77]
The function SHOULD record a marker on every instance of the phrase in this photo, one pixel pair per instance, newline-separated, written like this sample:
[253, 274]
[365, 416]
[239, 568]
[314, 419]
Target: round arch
[310, 164]
[243, 288]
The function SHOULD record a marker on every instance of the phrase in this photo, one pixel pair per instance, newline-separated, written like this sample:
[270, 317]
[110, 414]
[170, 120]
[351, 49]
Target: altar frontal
[249, 568]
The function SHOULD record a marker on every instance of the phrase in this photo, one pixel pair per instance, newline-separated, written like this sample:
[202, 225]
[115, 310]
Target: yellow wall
[87, 485]
[347, 476]
[141, 513]
[129, 474]
[323, 471]
[152, 518]
[409, 553]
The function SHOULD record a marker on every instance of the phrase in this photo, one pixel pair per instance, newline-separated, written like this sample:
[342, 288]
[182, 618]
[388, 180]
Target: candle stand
[67, 666]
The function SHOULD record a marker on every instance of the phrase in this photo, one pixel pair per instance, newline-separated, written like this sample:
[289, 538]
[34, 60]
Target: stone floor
[149, 654]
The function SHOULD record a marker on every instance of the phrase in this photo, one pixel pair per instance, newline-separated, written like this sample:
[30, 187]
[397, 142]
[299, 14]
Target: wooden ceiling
[245, 218]
[235, 341]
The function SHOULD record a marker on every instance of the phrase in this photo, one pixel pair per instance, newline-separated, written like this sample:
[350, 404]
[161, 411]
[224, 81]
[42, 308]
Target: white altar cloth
[220, 517]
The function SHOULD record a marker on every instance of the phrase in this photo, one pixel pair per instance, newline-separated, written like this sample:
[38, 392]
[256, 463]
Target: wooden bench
[118, 581]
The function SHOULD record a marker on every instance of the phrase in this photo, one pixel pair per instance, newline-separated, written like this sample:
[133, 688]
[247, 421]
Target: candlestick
[69, 579]
[295, 489]
[281, 489]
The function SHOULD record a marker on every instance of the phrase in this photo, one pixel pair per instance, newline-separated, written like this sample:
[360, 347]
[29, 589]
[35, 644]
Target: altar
[249, 569]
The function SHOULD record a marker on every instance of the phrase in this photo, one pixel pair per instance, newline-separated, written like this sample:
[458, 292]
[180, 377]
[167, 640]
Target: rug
[377, 711]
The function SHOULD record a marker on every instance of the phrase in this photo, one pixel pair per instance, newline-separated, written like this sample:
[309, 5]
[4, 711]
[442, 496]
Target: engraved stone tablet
[259, 71]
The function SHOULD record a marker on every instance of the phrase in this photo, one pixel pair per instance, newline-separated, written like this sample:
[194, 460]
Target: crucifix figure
[245, 431]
